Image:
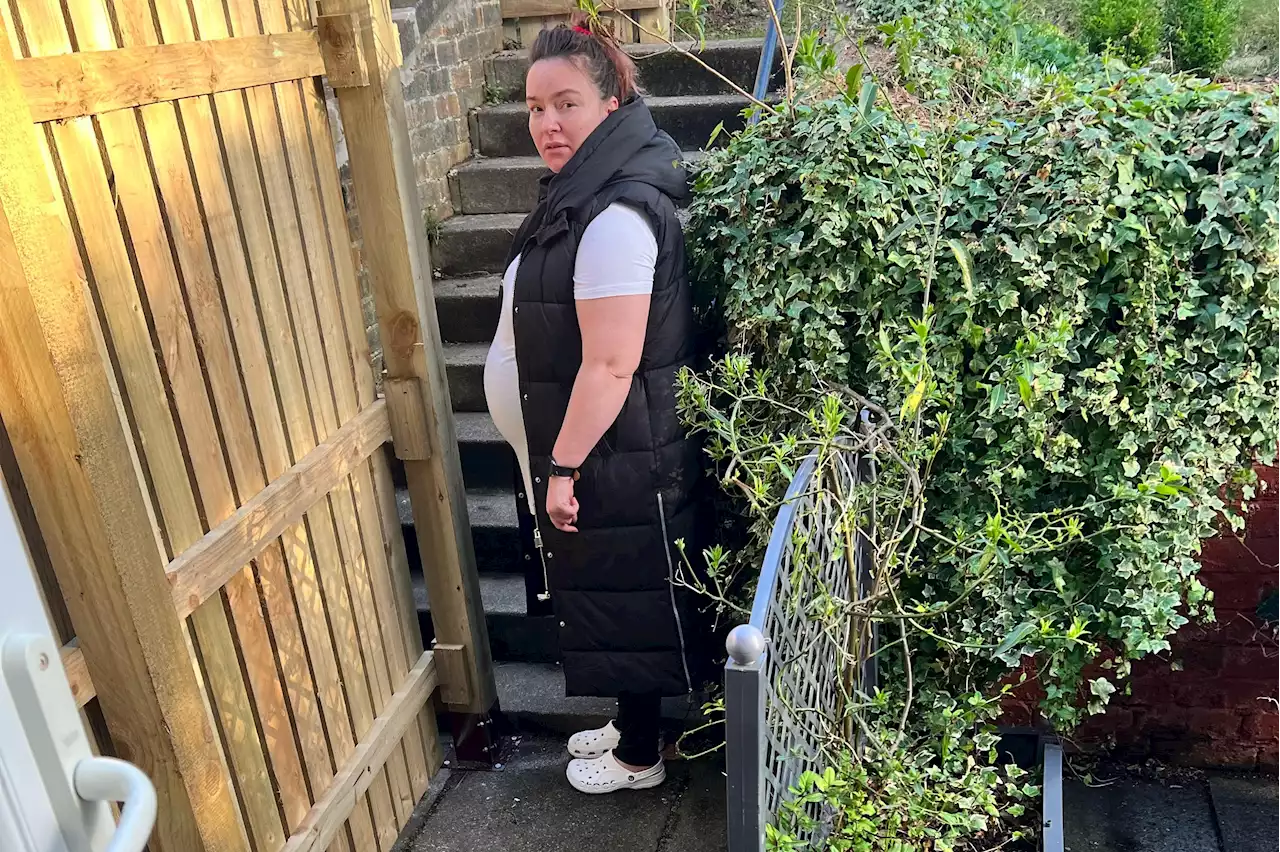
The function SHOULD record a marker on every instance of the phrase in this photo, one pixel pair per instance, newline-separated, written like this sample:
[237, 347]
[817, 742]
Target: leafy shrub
[1066, 306]
[1128, 28]
[1201, 33]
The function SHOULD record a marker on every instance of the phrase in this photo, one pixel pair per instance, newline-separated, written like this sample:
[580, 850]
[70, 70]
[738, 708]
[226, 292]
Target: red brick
[1198, 659]
[1260, 727]
[1240, 592]
[1219, 755]
[1265, 550]
[1222, 552]
[1215, 724]
[1270, 475]
[1201, 692]
[1250, 662]
[1165, 719]
[1247, 694]
[1269, 757]
[1264, 521]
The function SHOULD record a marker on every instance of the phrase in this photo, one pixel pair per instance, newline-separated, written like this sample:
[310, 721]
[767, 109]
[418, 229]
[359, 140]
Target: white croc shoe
[589, 744]
[605, 775]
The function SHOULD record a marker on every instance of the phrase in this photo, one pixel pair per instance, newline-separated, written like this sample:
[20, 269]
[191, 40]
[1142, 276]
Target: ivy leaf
[1015, 637]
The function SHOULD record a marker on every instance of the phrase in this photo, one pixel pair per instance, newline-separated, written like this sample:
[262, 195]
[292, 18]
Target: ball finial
[745, 644]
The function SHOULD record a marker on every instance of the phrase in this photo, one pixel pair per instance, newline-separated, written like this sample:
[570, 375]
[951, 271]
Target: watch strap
[562, 472]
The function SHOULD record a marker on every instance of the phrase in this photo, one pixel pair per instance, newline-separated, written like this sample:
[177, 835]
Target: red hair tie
[582, 30]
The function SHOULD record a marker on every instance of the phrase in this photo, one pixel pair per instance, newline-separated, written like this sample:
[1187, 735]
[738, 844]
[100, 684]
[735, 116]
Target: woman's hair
[590, 44]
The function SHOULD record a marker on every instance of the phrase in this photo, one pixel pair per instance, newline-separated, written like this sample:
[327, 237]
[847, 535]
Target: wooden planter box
[634, 21]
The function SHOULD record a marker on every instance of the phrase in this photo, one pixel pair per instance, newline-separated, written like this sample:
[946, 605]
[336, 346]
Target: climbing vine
[1057, 297]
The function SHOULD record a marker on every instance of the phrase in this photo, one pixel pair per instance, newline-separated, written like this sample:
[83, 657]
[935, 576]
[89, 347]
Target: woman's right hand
[562, 506]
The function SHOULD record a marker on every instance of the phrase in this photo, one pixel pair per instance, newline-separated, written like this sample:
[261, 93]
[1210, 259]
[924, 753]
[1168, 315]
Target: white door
[53, 791]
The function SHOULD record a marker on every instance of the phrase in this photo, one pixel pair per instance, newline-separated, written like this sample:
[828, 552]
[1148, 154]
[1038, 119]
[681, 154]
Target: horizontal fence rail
[793, 670]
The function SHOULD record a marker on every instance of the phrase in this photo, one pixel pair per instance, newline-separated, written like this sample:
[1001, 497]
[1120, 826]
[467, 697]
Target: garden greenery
[1054, 287]
[1128, 29]
[1201, 33]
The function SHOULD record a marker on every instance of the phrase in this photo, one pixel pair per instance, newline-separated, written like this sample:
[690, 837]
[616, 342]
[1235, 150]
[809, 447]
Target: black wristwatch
[562, 472]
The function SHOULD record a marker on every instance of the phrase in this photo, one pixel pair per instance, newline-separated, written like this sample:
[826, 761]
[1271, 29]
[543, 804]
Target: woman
[596, 323]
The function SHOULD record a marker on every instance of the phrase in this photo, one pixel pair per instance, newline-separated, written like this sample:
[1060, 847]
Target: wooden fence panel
[224, 311]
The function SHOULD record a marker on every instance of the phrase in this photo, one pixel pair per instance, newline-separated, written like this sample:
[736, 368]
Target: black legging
[639, 718]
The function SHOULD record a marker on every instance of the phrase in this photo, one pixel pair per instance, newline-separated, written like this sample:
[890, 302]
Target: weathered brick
[1215, 724]
[1219, 754]
[1261, 727]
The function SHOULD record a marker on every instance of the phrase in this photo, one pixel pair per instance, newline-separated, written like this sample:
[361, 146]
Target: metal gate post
[744, 689]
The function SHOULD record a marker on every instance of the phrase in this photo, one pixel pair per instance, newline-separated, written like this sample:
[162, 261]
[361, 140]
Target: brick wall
[444, 44]
[1211, 701]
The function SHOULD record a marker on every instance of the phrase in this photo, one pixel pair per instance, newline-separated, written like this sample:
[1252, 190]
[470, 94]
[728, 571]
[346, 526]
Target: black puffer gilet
[624, 627]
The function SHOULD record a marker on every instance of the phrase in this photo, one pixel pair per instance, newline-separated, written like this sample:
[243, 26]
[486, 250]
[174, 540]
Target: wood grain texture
[394, 599]
[200, 570]
[365, 762]
[344, 62]
[97, 81]
[60, 405]
[399, 272]
[306, 399]
[73, 661]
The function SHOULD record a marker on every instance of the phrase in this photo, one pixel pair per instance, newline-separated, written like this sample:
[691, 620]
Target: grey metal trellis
[791, 670]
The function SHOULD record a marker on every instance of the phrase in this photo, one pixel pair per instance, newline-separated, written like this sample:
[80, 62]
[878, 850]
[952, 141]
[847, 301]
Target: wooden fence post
[396, 253]
[57, 396]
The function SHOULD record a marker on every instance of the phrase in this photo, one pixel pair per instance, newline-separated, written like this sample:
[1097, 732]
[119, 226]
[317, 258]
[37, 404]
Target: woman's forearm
[597, 397]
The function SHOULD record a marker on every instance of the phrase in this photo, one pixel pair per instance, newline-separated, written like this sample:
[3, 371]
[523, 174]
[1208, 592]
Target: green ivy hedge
[1070, 294]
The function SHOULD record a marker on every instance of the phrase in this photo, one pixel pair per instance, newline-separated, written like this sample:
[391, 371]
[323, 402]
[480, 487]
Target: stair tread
[501, 594]
[465, 354]
[532, 162]
[640, 51]
[482, 222]
[474, 286]
[476, 427]
[492, 508]
[655, 103]
[533, 694]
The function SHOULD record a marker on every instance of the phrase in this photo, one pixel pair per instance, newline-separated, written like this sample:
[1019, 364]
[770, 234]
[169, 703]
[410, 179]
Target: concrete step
[514, 635]
[464, 366]
[473, 245]
[496, 184]
[503, 130]
[495, 531]
[663, 71]
[468, 308]
[487, 460]
[532, 697]
[504, 184]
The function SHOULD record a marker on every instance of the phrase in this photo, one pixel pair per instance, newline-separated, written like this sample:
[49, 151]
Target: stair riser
[510, 190]
[512, 638]
[462, 252]
[467, 317]
[492, 190]
[497, 549]
[505, 132]
[487, 466]
[663, 72]
[466, 387]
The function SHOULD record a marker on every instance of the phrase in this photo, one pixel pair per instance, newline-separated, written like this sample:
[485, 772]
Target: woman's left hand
[562, 506]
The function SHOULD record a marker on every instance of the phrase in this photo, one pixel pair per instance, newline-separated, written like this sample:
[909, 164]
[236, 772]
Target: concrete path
[1217, 813]
[529, 807]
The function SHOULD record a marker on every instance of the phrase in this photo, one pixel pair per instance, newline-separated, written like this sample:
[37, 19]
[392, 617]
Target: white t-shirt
[616, 256]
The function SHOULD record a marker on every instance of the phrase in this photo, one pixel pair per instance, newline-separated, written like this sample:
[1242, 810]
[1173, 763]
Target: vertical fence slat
[337, 360]
[319, 699]
[203, 293]
[342, 371]
[92, 508]
[136, 196]
[399, 270]
[404, 648]
[349, 690]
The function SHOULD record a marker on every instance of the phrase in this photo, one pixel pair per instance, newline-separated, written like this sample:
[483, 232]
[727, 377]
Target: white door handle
[105, 779]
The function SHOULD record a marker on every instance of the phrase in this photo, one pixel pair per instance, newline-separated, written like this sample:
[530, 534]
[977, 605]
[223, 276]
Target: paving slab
[1136, 815]
[529, 807]
[699, 820]
[1246, 810]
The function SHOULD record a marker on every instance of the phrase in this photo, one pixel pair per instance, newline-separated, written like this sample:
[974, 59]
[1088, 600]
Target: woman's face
[564, 107]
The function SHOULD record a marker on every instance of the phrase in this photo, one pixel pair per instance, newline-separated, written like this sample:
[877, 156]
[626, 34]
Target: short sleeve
[616, 255]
